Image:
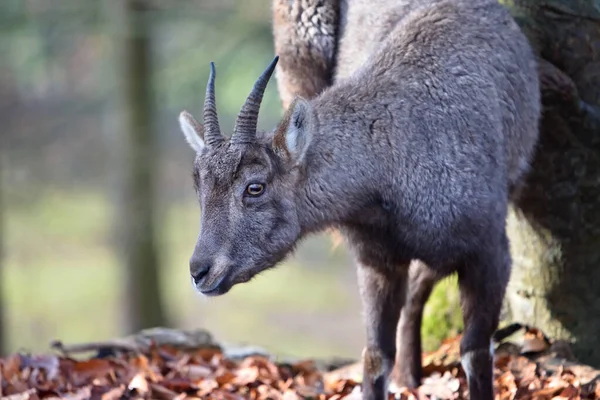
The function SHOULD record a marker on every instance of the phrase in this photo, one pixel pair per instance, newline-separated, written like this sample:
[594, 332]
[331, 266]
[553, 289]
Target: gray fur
[412, 153]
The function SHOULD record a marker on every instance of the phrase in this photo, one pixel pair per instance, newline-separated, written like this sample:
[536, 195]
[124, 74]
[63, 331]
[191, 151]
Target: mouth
[217, 291]
[218, 288]
[222, 285]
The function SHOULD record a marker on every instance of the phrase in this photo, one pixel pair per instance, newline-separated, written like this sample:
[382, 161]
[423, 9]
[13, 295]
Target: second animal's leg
[482, 281]
[383, 292]
[408, 369]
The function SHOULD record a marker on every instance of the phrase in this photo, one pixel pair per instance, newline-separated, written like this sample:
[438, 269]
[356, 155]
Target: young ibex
[411, 149]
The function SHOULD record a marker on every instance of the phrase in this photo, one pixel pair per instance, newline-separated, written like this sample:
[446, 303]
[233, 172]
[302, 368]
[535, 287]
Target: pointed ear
[192, 130]
[294, 133]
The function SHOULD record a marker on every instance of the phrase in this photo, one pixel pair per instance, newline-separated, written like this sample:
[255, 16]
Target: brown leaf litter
[536, 368]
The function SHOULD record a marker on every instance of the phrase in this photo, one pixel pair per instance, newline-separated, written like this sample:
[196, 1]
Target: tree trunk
[554, 226]
[138, 162]
[2, 299]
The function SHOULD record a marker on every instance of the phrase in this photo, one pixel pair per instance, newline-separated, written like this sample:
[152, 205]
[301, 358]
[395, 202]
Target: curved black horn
[244, 130]
[212, 131]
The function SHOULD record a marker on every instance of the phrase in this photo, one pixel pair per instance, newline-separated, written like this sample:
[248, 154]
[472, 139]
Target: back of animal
[490, 46]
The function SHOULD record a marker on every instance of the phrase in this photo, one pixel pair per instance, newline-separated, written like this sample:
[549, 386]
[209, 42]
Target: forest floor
[173, 364]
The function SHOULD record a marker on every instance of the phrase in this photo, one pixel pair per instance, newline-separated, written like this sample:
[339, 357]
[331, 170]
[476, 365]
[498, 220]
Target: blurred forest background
[96, 185]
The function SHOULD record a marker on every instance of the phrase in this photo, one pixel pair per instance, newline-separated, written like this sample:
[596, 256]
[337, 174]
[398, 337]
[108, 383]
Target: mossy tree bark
[554, 226]
[138, 165]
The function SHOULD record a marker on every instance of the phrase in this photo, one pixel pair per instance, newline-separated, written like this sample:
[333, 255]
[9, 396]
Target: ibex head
[247, 186]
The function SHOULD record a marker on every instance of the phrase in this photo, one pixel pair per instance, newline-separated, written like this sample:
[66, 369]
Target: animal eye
[255, 189]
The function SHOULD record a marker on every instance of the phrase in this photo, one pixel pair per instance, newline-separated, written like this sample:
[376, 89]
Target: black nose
[199, 269]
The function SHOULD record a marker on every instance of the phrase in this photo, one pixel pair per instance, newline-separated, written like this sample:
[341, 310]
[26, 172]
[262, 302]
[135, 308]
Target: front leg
[482, 282]
[383, 291]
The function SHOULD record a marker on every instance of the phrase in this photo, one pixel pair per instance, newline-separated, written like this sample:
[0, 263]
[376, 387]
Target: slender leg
[383, 292]
[482, 283]
[408, 369]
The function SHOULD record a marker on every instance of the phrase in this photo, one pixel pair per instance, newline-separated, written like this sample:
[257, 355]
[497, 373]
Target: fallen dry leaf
[26, 395]
[86, 371]
[534, 341]
[48, 363]
[11, 366]
[139, 384]
[441, 386]
[113, 394]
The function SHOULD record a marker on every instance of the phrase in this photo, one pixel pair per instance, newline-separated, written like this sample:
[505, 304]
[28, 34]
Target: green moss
[442, 317]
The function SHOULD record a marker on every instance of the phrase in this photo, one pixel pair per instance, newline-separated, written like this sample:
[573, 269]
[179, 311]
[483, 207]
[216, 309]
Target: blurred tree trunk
[2, 299]
[138, 160]
[555, 225]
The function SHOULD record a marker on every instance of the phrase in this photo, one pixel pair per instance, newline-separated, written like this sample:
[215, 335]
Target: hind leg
[408, 369]
[482, 281]
[383, 291]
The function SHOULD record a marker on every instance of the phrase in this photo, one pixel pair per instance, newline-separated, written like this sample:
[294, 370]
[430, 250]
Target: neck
[333, 185]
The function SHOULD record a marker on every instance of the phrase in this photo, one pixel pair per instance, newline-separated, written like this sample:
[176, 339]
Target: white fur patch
[192, 131]
[291, 139]
[298, 134]
[467, 363]
[467, 359]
